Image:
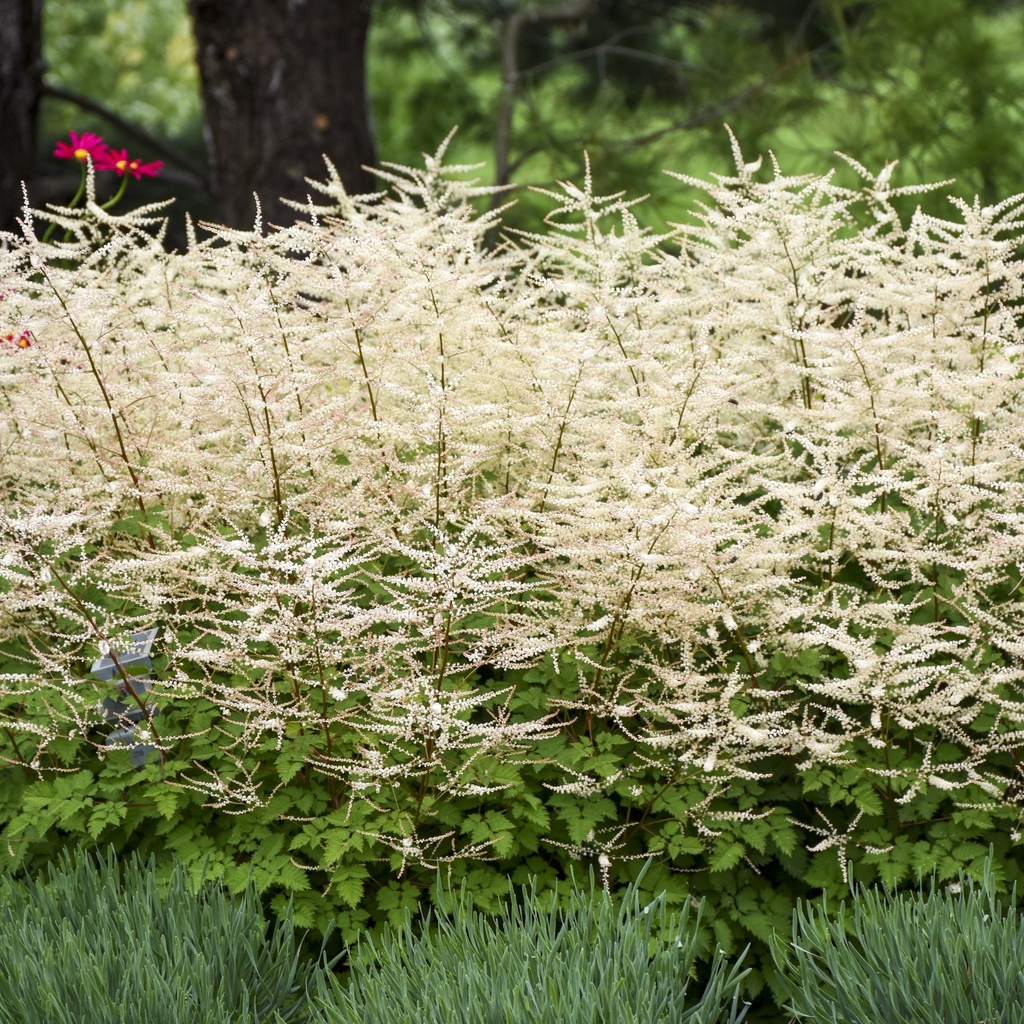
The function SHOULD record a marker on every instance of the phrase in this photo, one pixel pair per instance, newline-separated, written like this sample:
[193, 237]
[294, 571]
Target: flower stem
[117, 195]
[74, 202]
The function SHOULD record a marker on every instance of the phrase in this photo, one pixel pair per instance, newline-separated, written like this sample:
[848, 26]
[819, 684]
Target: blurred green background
[642, 85]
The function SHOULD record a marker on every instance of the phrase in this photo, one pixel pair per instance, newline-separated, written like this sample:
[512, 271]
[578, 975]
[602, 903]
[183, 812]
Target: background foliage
[642, 86]
[137, 56]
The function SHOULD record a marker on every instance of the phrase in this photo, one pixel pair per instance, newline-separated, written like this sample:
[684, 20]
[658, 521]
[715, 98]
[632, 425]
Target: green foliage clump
[101, 941]
[952, 955]
[587, 961]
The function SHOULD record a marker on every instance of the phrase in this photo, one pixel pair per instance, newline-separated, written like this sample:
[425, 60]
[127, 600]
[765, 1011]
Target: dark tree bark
[21, 82]
[284, 82]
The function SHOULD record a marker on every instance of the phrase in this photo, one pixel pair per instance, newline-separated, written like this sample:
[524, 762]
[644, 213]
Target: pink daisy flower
[118, 160]
[88, 144]
[22, 340]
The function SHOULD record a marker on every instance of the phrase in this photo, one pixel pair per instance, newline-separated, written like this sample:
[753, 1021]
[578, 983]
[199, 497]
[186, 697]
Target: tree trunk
[21, 82]
[283, 84]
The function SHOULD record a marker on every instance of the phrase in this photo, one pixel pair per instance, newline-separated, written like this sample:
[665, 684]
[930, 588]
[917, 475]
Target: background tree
[284, 82]
[21, 79]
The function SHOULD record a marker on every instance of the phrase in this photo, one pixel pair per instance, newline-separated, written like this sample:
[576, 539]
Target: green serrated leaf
[166, 800]
[349, 880]
[725, 855]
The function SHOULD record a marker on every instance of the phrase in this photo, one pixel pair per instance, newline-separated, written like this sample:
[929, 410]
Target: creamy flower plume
[363, 470]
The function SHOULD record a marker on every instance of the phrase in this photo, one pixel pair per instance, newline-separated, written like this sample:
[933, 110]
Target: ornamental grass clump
[587, 960]
[98, 940]
[594, 546]
[954, 954]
